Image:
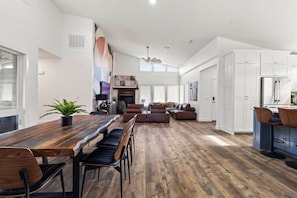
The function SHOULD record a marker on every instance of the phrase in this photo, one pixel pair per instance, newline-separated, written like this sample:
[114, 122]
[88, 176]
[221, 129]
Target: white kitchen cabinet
[274, 70]
[246, 83]
[274, 64]
[293, 71]
[274, 58]
[245, 90]
[247, 57]
[243, 114]
[246, 80]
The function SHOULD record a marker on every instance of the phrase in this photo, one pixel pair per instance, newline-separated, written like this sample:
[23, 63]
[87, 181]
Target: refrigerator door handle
[278, 94]
[274, 91]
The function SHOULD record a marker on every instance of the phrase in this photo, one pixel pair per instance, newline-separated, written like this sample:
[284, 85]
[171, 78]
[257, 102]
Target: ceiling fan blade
[156, 60]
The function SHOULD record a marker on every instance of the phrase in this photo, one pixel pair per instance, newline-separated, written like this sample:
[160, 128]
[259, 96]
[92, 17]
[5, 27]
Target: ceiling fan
[149, 59]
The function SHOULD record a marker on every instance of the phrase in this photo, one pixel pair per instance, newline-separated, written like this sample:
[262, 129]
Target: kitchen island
[285, 138]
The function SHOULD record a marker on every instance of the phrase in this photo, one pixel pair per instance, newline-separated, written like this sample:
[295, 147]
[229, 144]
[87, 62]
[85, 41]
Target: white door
[206, 94]
[214, 99]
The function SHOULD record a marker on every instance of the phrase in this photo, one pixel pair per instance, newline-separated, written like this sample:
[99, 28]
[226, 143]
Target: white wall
[128, 65]
[69, 77]
[26, 26]
[206, 54]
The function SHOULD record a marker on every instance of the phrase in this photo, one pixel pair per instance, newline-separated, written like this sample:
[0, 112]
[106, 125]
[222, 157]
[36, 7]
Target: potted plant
[66, 108]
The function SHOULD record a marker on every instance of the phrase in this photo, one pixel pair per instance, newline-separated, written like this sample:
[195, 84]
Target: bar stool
[288, 118]
[265, 115]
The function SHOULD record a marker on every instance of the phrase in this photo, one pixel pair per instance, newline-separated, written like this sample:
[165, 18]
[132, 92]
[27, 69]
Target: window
[172, 93]
[172, 69]
[148, 67]
[159, 68]
[159, 94]
[145, 66]
[8, 80]
[145, 95]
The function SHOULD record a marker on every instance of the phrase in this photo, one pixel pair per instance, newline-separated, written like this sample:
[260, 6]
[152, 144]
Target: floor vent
[76, 41]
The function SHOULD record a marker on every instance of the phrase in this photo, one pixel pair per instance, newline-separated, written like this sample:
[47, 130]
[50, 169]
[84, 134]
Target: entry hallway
[192, 159]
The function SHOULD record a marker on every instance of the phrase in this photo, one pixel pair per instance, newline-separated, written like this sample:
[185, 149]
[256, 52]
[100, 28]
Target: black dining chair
[108, 157]
[21, 175]
[114, 136]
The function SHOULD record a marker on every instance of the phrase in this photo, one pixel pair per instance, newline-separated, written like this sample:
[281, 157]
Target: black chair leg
[133, 141]
[98, 176]
[63, 186]
[130, 145]
[83, 181]
[125, 157]
[121, 178]
[128, 167]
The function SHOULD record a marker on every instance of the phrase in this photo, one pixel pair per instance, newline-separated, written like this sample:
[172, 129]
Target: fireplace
[127, 95]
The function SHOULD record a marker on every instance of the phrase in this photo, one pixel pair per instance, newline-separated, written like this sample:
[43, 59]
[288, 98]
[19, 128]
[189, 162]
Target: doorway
[208, 94]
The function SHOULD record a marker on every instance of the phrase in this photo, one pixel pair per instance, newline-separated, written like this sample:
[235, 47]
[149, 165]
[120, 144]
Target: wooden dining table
[50, 139]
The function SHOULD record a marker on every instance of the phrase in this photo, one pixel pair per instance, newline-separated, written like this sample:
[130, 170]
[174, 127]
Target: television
[105, 88]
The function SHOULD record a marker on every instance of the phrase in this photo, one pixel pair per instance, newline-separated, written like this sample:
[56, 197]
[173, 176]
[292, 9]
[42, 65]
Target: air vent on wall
[77, 41]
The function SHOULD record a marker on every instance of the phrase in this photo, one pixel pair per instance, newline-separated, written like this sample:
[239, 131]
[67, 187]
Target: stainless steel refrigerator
[275, 92]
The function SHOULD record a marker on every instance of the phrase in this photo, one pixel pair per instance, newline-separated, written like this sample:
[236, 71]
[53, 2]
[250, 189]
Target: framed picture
[193, 91]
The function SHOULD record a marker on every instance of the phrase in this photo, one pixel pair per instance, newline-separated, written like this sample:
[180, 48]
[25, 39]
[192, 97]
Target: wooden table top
[52, 139]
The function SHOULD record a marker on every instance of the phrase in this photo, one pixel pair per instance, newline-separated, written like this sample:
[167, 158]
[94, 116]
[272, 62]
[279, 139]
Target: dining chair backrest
[263, 115]
[128, 124]
[123, 143]
[288, 117]
[12, 161]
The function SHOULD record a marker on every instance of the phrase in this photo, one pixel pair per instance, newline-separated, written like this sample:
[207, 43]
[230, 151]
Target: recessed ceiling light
[153, 2]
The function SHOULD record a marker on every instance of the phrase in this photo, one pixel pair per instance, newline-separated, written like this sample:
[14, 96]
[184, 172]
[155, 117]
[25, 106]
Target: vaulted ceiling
[176, 29]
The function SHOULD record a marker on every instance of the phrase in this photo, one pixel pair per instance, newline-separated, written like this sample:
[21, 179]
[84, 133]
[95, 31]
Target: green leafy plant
[64, 107]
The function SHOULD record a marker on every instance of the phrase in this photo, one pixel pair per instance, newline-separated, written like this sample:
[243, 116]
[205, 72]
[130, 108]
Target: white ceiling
[185, 26]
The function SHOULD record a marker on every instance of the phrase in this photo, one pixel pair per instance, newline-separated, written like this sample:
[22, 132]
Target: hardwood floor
[192, 159]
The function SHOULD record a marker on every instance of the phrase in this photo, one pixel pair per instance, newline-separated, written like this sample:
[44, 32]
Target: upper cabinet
[293, 71]
[274, 63]
[247, 57]
[272, 58]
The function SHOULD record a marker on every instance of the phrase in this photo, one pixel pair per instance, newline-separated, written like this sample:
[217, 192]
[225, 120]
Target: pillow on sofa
[165, 104]
[171, 104]
[179, 107]
[185, 106]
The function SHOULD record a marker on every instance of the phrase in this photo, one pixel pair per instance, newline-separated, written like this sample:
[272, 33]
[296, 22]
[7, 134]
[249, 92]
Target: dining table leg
[77, 175]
